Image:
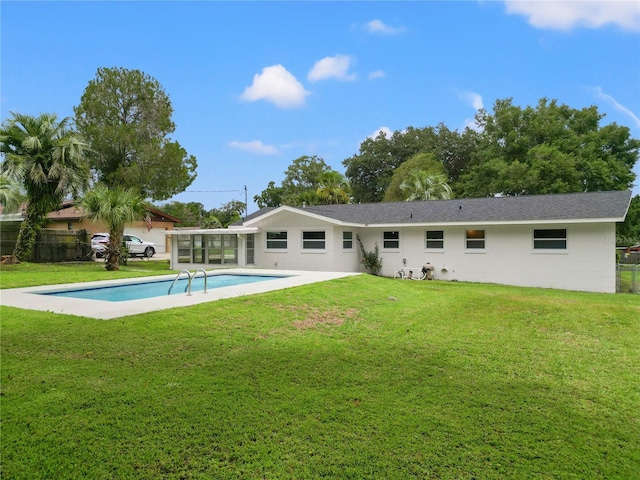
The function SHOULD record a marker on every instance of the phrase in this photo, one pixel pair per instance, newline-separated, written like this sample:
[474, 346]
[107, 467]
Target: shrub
[371, 260]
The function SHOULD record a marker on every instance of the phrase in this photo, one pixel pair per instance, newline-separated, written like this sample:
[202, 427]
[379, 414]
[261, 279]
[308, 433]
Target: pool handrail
[205, 278]
[184, 270]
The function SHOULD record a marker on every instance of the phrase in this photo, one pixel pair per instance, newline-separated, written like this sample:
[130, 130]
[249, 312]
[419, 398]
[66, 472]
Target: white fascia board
[213, 231]
[485, 223]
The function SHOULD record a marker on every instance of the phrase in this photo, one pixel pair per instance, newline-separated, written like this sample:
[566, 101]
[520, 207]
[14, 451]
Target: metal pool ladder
[190, 277]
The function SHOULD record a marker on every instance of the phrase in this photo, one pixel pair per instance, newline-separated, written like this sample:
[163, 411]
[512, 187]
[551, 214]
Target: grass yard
[356, 378]
[34, 274]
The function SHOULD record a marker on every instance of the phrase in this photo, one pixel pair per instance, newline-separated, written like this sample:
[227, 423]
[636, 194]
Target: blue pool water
[149, 289]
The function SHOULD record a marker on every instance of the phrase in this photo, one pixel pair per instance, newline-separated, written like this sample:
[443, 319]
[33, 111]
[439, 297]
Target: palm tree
[115, 207]
[47, 157]
[333, 189]
[211, 221]
[422, 185]
[10, 195]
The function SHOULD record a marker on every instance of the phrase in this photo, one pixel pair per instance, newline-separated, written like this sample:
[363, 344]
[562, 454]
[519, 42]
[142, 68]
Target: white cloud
[332, 67]
[256, 147]
[385, 130]
[472, 98]
[567, 14]
[377, 74]
[275, 84]
[617, 106]
[378, 26]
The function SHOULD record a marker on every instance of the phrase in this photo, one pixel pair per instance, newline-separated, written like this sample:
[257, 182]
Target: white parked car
[136, 245]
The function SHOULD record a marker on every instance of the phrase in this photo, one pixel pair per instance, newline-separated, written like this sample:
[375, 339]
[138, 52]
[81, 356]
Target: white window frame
[386, 241]
[250, 249]
[440, 240]
[542, 243]
[479, 243]
[284, 240]
[349, 240]
[306, 242]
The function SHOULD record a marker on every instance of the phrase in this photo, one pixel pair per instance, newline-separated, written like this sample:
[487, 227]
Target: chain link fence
[627, 278]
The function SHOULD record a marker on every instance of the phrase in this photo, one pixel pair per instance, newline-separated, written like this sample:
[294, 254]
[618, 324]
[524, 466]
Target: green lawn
[32, 274]
[361, 377]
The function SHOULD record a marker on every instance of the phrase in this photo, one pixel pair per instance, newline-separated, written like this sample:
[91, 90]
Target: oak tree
[549, 148]
[370, 171]
[303, 184]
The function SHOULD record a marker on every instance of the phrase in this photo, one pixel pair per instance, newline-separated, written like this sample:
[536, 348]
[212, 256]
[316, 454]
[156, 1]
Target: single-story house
[564, 241]
[71, 217]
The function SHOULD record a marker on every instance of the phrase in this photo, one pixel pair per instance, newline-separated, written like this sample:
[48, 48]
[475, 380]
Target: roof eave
[213, 231]
[493, 222]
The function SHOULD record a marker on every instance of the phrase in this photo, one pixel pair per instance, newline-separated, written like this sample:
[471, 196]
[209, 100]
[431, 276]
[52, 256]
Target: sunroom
[214, 247]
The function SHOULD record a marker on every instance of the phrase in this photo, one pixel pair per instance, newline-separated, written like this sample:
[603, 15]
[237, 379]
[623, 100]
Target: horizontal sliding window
[435, 239]
[313, 240]
[550, 239]
[475, 239]
[277, 240]
[391, 240]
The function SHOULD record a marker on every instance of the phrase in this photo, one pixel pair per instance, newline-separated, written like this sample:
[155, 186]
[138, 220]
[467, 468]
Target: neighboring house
[70, 217]
[565, 241]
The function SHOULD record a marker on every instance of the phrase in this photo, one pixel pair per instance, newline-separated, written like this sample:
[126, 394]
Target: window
[277, 240]
[550, 239]
[475, 239]
[391, 240]
[250, 249]
[313, 240]
[434, 239]
[198, 249]
[214, 249]
[222, 249]
[230, 248]
[347, 240]
[184, 248]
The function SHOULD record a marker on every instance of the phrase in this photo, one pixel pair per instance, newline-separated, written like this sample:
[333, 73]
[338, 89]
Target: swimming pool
[36, 298]
[149, 289]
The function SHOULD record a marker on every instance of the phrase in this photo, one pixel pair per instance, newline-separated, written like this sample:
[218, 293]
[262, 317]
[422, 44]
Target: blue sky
[255, 85]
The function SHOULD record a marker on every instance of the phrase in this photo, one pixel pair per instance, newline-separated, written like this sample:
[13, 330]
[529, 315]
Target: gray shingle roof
[571, 207]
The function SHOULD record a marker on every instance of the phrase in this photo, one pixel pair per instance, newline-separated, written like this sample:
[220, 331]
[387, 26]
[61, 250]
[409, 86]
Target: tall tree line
[543, 149]
[548, 148]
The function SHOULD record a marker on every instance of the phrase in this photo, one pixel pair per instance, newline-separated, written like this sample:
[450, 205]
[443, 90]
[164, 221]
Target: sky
[256, 85]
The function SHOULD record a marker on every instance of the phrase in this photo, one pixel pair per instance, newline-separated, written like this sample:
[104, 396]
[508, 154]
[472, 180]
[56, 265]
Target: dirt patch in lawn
[328, 316]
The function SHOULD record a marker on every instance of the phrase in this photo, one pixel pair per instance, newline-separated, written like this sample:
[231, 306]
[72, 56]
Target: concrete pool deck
[28, 298]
